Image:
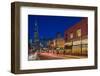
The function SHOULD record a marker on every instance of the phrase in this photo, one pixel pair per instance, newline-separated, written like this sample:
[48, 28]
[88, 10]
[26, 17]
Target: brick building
[76, 38]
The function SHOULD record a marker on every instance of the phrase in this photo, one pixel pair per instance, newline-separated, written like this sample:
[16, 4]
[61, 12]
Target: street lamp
[71, 36]
[80, 36]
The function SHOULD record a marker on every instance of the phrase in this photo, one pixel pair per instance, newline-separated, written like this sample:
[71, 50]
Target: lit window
[79, 32]
[71, 35]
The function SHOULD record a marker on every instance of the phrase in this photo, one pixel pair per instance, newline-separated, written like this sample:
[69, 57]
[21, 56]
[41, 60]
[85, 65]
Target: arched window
[71, 35]
[79, 32]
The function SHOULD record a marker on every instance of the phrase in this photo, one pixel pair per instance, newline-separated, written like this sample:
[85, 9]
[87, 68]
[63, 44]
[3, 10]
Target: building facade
[76, 38]
[59, 41]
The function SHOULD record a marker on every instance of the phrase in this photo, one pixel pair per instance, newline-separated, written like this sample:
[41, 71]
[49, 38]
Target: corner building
[76, 38]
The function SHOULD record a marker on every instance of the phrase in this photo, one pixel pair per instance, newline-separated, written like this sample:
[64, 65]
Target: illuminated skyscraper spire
[36, 34]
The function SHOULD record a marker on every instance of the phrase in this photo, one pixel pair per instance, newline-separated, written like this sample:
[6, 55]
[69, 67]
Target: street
[51, 56]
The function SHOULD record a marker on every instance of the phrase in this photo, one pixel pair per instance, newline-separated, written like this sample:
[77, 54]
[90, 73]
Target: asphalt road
[50, 56]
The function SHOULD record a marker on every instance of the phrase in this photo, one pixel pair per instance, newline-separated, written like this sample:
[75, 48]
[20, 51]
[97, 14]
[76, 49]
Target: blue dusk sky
[48, 26]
